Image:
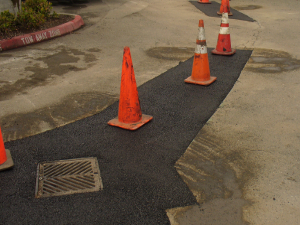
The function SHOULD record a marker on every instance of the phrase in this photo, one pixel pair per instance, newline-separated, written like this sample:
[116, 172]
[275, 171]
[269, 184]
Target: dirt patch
[271, 61]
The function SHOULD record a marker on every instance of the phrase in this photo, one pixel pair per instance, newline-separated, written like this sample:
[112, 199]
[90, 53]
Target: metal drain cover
[64, 177]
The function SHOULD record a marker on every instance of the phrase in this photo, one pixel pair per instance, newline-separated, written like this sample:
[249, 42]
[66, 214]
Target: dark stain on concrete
[61, 57]
[171, 53]
[87, 21]
[57, 64]
[5, 55]
[74, 7]
[271, 61]
[89, 58]
[216, 178]
[69, 109]
[94, 50]
[247, 7]
[88, 15]
[134, 15]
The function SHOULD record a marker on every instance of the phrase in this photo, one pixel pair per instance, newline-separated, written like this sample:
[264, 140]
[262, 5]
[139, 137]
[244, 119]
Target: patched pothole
[271, 61]
[247, 7]
[171, 53]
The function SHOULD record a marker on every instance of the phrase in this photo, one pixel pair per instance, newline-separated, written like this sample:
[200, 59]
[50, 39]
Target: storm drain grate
[64, 177]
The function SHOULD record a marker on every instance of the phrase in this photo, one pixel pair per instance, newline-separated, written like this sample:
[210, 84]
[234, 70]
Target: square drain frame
[65, 177]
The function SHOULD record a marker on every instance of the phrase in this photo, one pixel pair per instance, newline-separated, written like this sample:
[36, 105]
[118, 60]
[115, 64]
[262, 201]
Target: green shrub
[7, 21]
[38, 6]
[54, 15]
[29, 19]
[33, 14]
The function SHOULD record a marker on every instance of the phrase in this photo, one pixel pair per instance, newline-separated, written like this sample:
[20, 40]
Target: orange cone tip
[200, 72]
[225, 8]
[130, 116]
[5, 157]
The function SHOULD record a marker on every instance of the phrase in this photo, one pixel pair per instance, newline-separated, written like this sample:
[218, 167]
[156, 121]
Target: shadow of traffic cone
[130, 116]
[6, 161]
[225, 8]
[200, 72]
[204, 1]
[224, 43]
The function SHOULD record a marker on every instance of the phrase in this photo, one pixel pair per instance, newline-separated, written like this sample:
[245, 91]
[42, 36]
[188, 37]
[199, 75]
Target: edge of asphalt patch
[43, 35]
[212, 9]
[140, 181]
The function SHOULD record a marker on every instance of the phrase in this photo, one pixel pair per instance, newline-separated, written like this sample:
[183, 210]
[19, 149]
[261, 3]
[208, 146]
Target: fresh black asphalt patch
[212, 9]
[137, 167]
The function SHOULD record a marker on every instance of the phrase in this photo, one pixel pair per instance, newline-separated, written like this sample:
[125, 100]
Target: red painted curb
[39, 36]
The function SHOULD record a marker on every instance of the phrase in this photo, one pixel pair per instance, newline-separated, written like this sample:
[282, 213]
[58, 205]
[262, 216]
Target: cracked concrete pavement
[249, 148]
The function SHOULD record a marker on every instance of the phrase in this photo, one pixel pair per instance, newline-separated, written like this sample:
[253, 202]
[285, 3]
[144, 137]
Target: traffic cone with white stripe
[200, 73]
[204, 1]
[225, 8]
[5, 157]
[130, 116]
[224, 42]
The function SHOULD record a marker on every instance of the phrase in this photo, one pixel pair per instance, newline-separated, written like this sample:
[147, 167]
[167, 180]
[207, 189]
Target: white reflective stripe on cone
[201, 34]
[224, 30]
[201, 49]
[224, 18]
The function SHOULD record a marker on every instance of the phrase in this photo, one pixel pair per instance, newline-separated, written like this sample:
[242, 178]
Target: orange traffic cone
[200, 72]
[5, 157]
[204, 1]
[225, 8]
[130, 116]
[224, 42]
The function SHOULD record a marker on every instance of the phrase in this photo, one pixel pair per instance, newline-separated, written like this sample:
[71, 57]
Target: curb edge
[39, 36]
